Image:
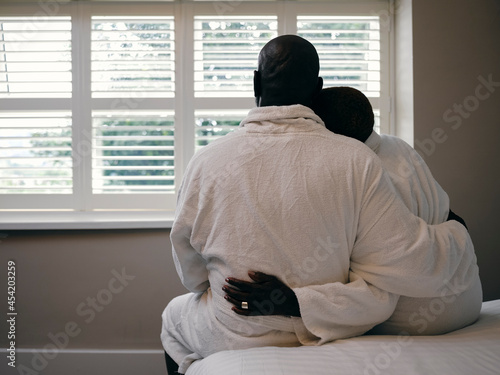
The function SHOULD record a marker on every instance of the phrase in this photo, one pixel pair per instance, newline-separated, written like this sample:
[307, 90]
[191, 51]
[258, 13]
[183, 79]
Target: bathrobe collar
[280, 119]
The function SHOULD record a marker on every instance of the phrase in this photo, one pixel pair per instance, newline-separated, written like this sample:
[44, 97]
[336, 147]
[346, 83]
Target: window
[226, 49]
[349, 51]
[36, 122]
[36, 152]
[132, 152]
[132, 61]
[103, 104]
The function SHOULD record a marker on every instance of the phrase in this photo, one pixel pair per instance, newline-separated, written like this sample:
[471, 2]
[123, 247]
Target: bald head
[287, 72]
[345, 111]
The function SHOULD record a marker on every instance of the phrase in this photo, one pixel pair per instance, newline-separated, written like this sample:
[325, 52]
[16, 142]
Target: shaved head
[287, 73]
[346, 111]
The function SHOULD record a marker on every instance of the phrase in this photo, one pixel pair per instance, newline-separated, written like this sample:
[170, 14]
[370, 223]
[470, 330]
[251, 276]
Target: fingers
[237, 306]
[236, 294]
[236, 297]
[245, 286]
[241, 312]
[260, 277]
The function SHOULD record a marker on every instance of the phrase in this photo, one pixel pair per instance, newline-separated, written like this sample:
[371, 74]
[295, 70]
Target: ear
[319, 85]
[257, 89]
[317, 89]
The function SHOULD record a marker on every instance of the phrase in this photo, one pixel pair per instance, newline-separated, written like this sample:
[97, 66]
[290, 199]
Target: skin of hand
[265, 295]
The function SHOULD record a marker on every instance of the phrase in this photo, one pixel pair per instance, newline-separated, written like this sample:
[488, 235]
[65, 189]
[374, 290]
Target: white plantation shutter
[133, 153]
[133, 56]
[226, 50]
[348, 48]
[35, 153]
[103, 104]
[35, 57]
[35, 74]
[349, 52]
[133, 61]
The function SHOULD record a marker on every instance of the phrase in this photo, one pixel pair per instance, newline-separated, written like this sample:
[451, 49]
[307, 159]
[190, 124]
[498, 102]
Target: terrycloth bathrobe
[425, 198]
[285, 196]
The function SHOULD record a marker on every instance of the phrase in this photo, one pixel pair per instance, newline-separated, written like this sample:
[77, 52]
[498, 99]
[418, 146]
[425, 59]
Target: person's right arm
[331, 311]
[400, 253]
[395, 253]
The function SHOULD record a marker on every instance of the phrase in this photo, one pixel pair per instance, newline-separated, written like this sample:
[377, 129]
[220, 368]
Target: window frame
[129, 201]
[184, 103]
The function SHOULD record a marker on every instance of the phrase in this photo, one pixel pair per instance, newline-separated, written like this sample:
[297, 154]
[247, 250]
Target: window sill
[57, 220]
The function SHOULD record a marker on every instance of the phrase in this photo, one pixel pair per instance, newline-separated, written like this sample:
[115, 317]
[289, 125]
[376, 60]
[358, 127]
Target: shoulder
[347, 142]
[220, 146]
[393, 145]
[393, 140]
[354, 149]
[353, 157]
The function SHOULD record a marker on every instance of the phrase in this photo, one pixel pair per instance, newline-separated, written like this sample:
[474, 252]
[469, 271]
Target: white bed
[474, 350]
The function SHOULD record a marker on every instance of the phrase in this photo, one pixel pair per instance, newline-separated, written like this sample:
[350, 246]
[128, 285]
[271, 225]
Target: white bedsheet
[469, 351]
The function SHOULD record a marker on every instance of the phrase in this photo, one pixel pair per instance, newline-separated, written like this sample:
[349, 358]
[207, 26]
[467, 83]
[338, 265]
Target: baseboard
[85, 362]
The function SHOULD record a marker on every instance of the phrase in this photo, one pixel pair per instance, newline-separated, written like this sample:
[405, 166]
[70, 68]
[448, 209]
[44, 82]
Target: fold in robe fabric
[422, 194]
[285, 196]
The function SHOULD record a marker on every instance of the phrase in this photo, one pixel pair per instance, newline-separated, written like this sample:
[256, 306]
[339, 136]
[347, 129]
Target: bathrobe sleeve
[413, 180]
[395, 253]
[400, 253]
[337, 310]
[186, 251]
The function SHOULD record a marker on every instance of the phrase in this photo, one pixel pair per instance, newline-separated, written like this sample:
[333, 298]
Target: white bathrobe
[285, 196]
[425, 198]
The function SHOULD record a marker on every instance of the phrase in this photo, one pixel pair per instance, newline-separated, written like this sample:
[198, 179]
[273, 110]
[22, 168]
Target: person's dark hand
[265, 295]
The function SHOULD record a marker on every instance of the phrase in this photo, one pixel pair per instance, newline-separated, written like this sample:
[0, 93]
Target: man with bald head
[285, 77]
[285, 196]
